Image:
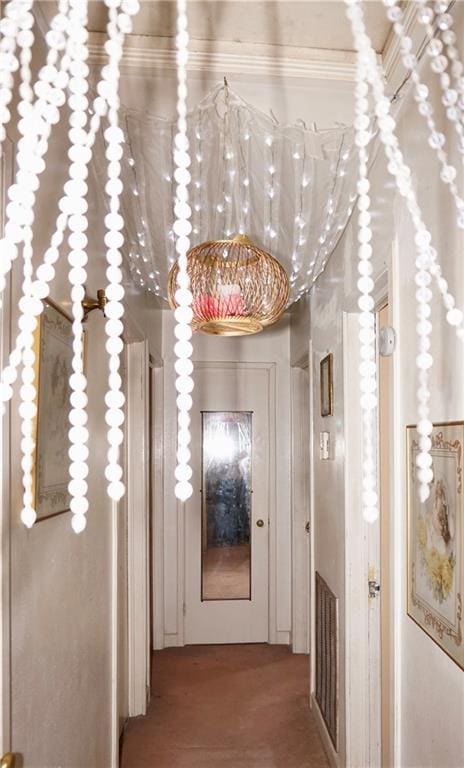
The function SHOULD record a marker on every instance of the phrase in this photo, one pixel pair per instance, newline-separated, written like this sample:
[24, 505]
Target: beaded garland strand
[182, 228]
[65, 67]
[427, 266]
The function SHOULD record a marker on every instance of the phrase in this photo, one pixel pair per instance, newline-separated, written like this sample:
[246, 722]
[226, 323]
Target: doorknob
[8, 760]
[260, 523]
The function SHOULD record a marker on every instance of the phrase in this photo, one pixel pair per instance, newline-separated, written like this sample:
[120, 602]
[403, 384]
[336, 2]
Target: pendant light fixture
[237, 288]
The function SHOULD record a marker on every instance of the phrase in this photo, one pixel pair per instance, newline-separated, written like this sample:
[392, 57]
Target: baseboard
[172, 641]
[281, 637]
[121, 738]
[332, 756]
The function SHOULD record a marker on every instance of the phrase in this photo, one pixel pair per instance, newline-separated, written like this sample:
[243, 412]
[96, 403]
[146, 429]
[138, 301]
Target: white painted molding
[281, 637]
[312, 559]
[332, 755]
[157, 452]
[393, 68]
[138, 577]
[356, 649]
[115, 682]
[300, 409]
[156, 55]
[397, 491]
[6, 176]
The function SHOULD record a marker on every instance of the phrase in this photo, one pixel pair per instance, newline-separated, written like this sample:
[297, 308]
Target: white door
[227, 518]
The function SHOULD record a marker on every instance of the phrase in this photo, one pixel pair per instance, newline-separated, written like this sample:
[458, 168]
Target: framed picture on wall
[436, 540]
[53, 346]
[326, 384]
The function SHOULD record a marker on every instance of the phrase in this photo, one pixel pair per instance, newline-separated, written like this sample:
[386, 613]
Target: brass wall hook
[89, 305]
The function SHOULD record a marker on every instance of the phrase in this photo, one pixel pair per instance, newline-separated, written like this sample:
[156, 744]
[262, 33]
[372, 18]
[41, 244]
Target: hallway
[226, 706]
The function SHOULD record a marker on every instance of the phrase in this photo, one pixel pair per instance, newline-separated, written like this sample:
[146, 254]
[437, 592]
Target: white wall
[430, 699]
[270, 346]
[300, 331]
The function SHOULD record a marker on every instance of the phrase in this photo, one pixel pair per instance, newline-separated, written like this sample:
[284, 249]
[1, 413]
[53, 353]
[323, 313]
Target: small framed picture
[326, 383]
[436, 540]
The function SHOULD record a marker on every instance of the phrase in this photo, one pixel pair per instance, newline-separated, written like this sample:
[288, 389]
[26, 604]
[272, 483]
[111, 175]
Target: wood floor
[226, 706]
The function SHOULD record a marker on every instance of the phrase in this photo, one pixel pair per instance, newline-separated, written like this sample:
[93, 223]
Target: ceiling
[289, 23]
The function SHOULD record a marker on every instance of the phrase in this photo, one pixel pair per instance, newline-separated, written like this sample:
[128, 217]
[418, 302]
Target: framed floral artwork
[326, 384]
[436, 540]
[53, 351]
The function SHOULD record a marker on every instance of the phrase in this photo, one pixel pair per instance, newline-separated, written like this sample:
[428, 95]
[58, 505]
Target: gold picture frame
[53, 362]
[326, 385]
[436, 540]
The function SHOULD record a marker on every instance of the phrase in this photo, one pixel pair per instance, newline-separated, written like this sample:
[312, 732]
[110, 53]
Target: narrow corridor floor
[226, 706]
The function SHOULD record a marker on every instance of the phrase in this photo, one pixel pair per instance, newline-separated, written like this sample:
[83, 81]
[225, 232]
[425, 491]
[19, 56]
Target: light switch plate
[324, 445]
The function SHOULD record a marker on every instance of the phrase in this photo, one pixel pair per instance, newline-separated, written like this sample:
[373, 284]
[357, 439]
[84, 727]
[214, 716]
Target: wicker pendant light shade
[237, 288]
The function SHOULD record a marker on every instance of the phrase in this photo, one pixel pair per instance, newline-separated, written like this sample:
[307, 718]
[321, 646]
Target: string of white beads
[437, 139]
[197, 208]
[367, 368]
[182, 228]
[74, 204]
[18, 210]
[269, 231]
[244, 185]
[67, 39]
[45, 272]
[34, 126]
[114, 240]
[9, 28]
[452, 97]
[398, 168]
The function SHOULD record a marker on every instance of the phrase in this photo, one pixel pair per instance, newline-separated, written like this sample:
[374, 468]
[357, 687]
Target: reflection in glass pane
[226, 505]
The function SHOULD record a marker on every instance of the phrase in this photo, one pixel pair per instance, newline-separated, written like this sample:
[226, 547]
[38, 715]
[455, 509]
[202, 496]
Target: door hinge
[308, 527]
[374, 588]
[184, 609]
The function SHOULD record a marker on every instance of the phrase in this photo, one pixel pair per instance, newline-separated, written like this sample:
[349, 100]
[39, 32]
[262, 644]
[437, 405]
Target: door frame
[230, 607]
[362, 660]
[138, 510]
[169, 525]
[356, 560]
[6, 170]
[301, 552]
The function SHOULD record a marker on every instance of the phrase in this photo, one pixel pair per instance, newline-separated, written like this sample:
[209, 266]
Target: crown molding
[393, 67]
[145, 55]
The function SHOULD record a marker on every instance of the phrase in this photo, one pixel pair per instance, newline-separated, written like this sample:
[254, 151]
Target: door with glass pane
[226, 543]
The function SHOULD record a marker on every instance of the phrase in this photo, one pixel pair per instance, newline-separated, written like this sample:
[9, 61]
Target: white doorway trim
[5, 603]
[138, 527]
[114, 636]
[157, 452]
[169, 619]
[362, 615]
[356, 560]
[397, 491]
[301, 603]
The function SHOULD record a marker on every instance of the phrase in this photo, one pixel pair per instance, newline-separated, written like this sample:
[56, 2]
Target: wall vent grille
[327, 656]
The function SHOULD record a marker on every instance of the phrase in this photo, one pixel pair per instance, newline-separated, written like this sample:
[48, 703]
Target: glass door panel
[226, 505]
